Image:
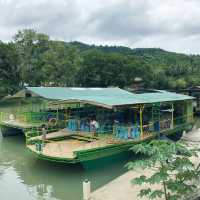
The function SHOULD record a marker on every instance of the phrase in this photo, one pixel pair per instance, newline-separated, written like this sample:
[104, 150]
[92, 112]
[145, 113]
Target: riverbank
[122, 189]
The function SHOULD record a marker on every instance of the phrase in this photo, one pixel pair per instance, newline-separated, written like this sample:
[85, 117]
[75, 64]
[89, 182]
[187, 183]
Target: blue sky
[173, 25]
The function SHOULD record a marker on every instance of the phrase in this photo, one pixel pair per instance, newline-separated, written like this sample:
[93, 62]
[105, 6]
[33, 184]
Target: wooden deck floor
[66, 148]
[60, 149]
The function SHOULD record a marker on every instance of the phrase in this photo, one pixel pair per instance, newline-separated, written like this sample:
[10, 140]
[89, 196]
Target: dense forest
[34, 59]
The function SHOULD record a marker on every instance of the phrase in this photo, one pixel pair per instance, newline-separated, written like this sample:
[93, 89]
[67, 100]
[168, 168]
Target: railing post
[141, 121]
[172, 116]
[57, 114]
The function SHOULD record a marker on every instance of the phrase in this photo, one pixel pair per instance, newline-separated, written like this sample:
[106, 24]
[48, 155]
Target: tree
[60, 64]
[44, 61]
[30, 46]
[101, 69]
[172, 169]
[34, 59]
[9, 74]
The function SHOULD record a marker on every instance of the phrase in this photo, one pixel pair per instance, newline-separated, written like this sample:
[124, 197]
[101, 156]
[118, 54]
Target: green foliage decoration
[172, 169]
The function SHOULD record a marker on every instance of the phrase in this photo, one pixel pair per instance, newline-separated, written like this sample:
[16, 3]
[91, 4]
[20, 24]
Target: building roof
[106, 97]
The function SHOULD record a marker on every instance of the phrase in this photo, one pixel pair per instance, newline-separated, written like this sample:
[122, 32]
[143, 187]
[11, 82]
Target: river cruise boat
[82, 124]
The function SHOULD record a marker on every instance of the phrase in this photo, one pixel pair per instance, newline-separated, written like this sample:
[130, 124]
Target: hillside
[154, 56]
[34, 59]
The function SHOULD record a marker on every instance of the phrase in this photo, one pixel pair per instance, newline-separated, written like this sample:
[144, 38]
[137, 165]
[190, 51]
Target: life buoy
[12, 117]
[52, 121]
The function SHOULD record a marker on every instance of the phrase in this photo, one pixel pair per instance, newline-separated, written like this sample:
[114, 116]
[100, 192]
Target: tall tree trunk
[165, 190]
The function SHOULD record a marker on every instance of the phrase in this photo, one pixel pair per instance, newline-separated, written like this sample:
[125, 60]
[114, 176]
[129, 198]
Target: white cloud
[172, 25]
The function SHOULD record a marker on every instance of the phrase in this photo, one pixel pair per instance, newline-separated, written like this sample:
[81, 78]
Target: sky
[173, 25]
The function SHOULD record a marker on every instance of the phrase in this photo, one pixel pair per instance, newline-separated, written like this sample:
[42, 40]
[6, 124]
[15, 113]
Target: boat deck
[19, 124]
[65, 148]
[70, 143]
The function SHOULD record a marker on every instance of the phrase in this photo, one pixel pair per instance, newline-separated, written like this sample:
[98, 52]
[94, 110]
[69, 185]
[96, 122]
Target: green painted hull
[99, 163]
[10, 131]
[92, 154]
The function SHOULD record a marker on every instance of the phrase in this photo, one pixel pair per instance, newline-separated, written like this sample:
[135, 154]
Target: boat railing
[119, 131]
[37, 130]
[77, 125]
[134, 131]
[31, 117]
[131, 130]
[6, 117]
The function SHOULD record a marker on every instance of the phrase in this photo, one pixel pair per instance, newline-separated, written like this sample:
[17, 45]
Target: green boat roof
[107, 97]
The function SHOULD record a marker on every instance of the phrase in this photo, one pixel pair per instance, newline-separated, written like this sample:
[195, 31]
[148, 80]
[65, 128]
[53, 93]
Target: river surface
[24, 177]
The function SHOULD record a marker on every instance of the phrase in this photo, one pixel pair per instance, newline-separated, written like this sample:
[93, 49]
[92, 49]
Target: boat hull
[7, 131]
[84, 156]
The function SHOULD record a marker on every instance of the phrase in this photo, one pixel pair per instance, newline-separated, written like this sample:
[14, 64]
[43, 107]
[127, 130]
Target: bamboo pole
[172, 115]
[141, 120]
[57, 114]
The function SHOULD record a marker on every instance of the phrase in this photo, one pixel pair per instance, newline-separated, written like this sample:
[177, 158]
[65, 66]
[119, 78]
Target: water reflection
[25, 177]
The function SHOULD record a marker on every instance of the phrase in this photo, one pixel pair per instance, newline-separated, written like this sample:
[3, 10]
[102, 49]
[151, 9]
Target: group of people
[94, 127]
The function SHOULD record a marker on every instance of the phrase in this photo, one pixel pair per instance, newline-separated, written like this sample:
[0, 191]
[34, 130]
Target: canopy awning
[104, 97]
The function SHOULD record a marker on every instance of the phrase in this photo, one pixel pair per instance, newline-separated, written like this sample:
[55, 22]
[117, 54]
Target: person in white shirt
[94, 126]
[44, 132]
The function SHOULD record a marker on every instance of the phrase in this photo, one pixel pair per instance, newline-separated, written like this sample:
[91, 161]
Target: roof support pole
[57, 114]
[189, 111]
[172, 124]
[141, 120]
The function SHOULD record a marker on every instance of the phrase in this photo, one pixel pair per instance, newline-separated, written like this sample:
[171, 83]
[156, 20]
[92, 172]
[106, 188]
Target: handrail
[120, 131]
[31, 117]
